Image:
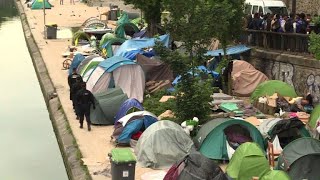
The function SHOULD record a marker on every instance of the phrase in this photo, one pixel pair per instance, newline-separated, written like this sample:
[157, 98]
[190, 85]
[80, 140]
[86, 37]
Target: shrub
[314, 47]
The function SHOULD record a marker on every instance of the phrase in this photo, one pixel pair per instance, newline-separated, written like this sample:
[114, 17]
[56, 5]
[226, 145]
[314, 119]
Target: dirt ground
[94, 145]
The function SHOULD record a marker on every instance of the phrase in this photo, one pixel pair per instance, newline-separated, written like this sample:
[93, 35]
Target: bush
[314, 47]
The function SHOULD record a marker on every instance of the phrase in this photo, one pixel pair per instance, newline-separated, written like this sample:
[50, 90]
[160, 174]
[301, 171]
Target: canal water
[28, 146]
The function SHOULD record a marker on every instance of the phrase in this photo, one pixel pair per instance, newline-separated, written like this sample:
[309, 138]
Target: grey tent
[162, 144]
[107, 105]
[300, 159]
[154, 69]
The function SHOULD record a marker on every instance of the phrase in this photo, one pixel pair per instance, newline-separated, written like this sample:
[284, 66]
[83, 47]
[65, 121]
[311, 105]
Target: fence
[291, 42]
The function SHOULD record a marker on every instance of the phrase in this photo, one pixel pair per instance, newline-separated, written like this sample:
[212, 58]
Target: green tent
[248, 161]
[126, 29]
[84, 62]
[106, 37]
[274, 175]
[211, 139]
[110, 45]
[271, 87]
[38, 4]
[315, 115]
[107, 106]
[300, 159]
[93, 63]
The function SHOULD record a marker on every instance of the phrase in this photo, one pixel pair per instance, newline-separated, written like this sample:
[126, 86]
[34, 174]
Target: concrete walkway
[94, 145]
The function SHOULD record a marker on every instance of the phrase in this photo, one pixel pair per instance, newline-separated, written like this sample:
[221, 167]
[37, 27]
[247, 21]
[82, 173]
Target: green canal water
[28, 145]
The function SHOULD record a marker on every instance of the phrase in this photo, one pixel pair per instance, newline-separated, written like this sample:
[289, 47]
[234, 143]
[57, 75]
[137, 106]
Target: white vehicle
[265, 6]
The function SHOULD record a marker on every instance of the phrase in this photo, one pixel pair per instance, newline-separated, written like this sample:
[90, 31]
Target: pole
[44, 19]
[294, 7]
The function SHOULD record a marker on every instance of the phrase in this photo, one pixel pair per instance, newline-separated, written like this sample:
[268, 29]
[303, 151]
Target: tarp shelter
[135, 44]
[214, 137]
[162, 144]
[248, 161]
[133, 53]
[195, 166]
[230, 50]
[107, 104]
[133, 123]
[274, 175]
[77, 59]
[154, 69]
[315, 116]
[118, 71]
[300, 159]
[273, 86]
[245, 78]
[111, 46]
[287, 131]
[89, 66]
[127, 106]
[38, 4]
[201, 69]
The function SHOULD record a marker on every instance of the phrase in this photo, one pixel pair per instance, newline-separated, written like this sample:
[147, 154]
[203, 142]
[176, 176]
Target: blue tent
[139, 43]
[77, 59]
[115, 62]
[133, 54]
[201, 68]
[135, 126]
[126, 106]
[230, 51]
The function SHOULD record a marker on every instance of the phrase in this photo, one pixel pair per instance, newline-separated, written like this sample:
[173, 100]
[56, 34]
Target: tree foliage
[152, 12]
[314, 47]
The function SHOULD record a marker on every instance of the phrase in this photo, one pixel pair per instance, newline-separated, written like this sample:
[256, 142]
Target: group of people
[299, 23]
[82, 99]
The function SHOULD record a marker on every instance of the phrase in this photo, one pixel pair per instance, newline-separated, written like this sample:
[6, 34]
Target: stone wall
[301, 72]
[305, 6]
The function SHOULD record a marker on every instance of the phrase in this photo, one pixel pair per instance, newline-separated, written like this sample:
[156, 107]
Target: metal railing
[292, 42]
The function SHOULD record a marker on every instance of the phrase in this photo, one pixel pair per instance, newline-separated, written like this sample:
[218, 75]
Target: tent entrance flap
[236, 135]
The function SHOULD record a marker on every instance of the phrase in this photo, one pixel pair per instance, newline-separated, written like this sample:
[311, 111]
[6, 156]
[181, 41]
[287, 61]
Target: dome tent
[126, 106]
[213, 136]
[89, 66]
[85, 62]
[107, 104]
[76, 61]
[118, 71]
[274, 175]
[300, 159]
[315, 116]
[162, 144]
[112, 45]
[248, 161]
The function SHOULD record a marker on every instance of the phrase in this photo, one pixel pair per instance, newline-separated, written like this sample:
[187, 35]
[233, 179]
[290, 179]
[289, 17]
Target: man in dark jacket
[84, 99]
[72, 78]
[76, 87]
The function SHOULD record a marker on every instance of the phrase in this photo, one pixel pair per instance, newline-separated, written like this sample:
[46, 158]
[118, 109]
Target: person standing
[84, 99]
[73, 92]
[61, 2]
[72, 2]
[71, 80]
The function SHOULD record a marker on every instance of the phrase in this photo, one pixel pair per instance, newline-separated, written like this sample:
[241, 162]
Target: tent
[112, 45]
[195, 166]
[273, 86]
[287, 130]
[126, 106]
[85, 62]
[217, 135]
[162, 144]
[274, 175]
[124, 29]
[300, 159]
[107, 104]
[132, 54]
[199, 68]
[77, 59]
[315, 116]
[136, 44]
[118, 71]
[248, 161]
[38, 4]
[245, 78]
[133, 123]
[154, 69]
[230, 51]
[90, 65]
[105, 38]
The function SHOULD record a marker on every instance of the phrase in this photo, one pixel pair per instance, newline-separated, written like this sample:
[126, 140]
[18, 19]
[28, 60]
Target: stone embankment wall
[302, 72]
[305, 6]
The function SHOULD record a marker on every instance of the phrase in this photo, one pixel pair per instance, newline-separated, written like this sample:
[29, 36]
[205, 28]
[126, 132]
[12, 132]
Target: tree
[152, 13]
[195, 23]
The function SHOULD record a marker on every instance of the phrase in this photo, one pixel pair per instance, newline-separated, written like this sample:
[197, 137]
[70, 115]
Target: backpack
[288, 26]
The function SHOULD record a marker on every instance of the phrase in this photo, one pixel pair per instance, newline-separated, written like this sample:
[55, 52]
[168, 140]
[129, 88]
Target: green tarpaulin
[107, 106]
[38, 4]
[211, 139]
[315, 115]
[248, 161]
[274, 175]
[271, 87]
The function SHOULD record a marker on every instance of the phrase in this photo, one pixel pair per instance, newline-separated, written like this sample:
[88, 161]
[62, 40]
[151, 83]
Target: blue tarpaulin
[133, 54]
[139, 43]
[230, 51]
[201, 68]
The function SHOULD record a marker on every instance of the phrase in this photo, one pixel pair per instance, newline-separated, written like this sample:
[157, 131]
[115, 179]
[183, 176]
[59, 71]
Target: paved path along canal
[28, 146]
